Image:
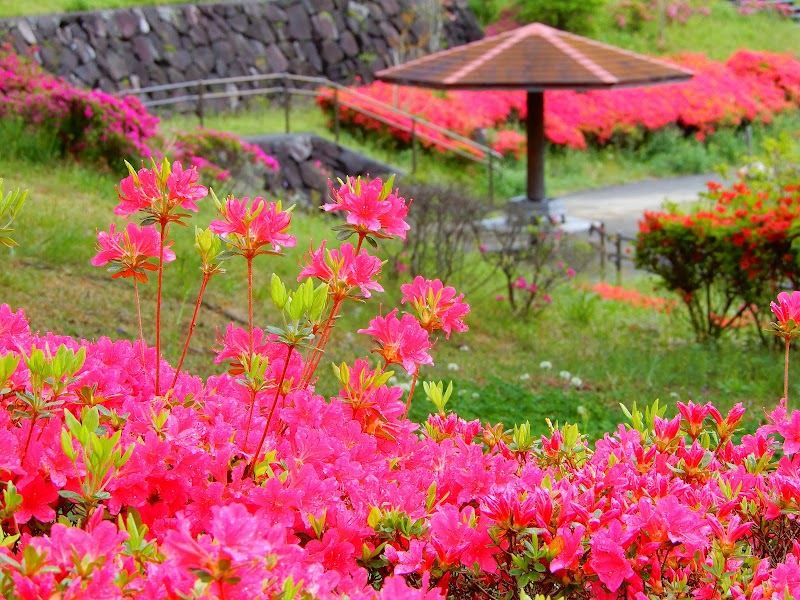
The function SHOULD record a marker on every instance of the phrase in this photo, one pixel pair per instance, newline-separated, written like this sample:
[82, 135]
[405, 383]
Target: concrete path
[621, 206]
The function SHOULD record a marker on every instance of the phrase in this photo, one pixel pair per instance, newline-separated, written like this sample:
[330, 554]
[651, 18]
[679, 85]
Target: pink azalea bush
[94, 126]
[253, 485]
[749, 86]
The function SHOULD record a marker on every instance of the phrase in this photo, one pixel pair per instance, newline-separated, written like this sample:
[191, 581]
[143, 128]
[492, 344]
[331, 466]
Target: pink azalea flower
[183, 188]
[130, 250]
[569, 543]
[343, 270]
[694, 415]
[787, 309]
[790, 430]
[250, 227]
[437, 306]
[371, 209]
[147, 191]
[402, 341]
[608, 557]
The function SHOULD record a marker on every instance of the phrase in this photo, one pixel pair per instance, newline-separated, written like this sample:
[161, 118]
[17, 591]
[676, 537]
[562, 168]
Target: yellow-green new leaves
[209, 248]
[437, 394]
[100, 454]
[302, 309]
[10, 205]
[8, 364]
[55, 371]
[642, 422]
[11, 502]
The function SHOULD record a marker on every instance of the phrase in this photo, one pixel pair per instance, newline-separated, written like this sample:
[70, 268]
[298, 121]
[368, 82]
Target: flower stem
[253, 394]
[316, 354]
[411, 392]
[158, 304]
[786, 372]
[250, 302]
[139, 316]
[279, 386]
[203, 284]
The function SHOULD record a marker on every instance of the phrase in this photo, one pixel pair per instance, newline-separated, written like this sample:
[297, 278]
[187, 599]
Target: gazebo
[534, 58]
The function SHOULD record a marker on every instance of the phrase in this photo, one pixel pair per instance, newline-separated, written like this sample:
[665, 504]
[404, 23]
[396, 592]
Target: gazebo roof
[534, 57]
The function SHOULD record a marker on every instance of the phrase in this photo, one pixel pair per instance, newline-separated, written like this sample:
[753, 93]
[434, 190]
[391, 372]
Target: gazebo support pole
[535, 130]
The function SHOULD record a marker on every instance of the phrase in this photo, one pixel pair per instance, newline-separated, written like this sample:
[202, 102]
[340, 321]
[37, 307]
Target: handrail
[479, 150]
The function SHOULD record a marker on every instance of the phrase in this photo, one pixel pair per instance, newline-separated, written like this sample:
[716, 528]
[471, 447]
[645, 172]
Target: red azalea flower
[130, 250]
[402, 341]
[37, 495]
[437, 306]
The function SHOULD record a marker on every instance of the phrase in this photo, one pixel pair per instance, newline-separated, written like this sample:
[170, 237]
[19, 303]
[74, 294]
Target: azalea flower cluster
[631, 14]
[749, 86]
[633, 297]
[741, 245]
[663, 508]
[96, 126]
[253, 485]
[750, 7]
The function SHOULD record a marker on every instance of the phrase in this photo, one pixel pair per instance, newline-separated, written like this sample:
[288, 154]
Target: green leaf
[70, 495]
[278, 292]
[387, 188]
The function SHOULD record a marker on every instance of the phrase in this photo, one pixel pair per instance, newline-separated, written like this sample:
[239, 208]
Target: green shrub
[726, 260]
[577, 16]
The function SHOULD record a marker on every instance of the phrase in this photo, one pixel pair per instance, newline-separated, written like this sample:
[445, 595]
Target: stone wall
[308, 161]
[139, 47]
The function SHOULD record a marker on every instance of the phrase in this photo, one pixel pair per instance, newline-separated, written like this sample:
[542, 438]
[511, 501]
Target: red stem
[252, 465]
[786, 372]
[411, 392]
[139, 315]
[249, 419]
[316, 354]
[206, 277]
[28, 439]
[158, 304]
[250, 302]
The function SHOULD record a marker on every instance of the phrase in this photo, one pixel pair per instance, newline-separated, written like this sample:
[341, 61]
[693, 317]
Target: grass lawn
[18, 8]
[717, 36]
[621, 354]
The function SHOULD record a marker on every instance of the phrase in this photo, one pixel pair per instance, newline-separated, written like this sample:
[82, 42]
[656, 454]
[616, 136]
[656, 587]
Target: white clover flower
[476, 395]
[461, 392]
[565, 375]
[392, 381]
[525, 377]
[464, 348]
[545, 364]
[581, 410]
[452, 367]
[674, 395]
[576, 382]
[405, 386]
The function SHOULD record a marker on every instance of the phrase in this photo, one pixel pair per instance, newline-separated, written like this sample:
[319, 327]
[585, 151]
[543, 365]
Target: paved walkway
[621, 206]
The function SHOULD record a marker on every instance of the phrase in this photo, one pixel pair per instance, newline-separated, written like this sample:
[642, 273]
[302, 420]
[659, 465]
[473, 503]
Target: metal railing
[419, 129]
[616, 254]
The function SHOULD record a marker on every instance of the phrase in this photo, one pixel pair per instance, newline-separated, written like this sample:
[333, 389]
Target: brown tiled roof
[534, 57]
